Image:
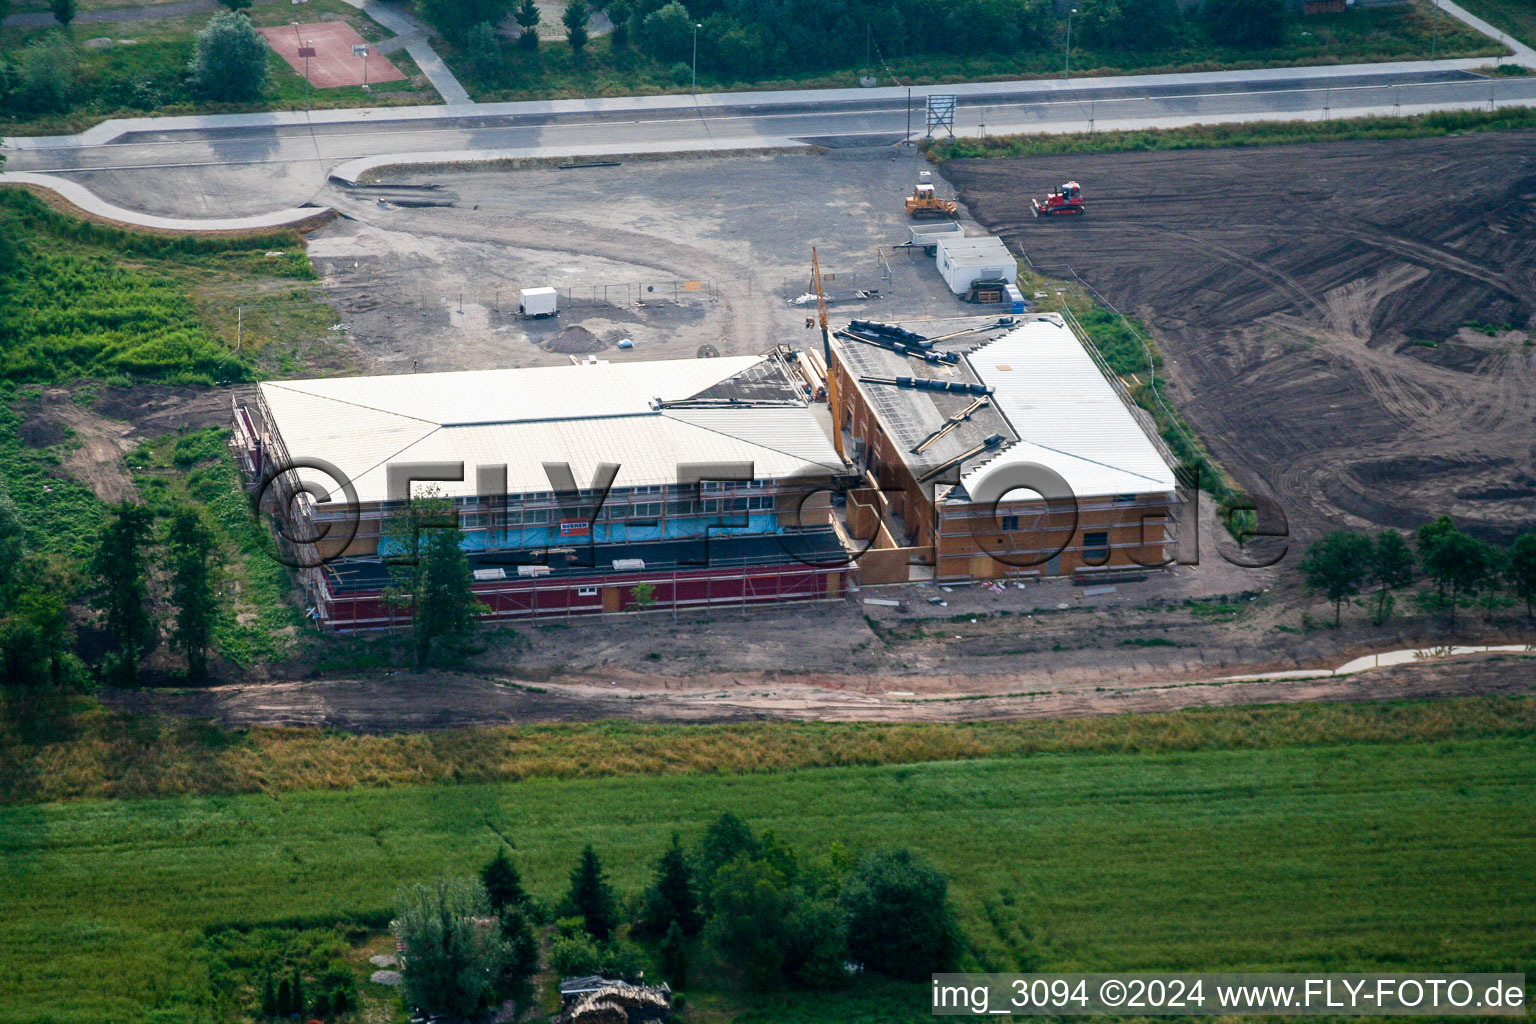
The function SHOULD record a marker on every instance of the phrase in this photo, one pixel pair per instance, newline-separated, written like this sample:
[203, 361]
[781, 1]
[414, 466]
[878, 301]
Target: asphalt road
[224, 170]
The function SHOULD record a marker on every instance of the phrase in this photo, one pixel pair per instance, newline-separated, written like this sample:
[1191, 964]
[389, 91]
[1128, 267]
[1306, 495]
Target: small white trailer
[926, 236]
[537, 303]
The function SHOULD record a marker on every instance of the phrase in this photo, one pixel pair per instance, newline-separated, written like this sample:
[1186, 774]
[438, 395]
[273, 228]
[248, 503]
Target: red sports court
[332, 63]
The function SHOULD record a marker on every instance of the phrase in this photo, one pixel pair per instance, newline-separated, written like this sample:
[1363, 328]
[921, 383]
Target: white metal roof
[582, 415]
[970, 252]
[1066, 414]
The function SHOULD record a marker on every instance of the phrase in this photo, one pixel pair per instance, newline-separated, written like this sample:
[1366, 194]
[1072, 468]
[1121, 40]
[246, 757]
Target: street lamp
[1070, 11]
[696, 28]
[309, 49]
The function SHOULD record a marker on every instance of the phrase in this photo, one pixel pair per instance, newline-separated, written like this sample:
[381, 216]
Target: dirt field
[411, 703]
[1348, 325]
[435, 286]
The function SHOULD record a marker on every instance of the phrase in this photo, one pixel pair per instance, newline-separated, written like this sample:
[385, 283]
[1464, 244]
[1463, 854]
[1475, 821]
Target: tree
[230, 62]
[268, 997]
[37, 632]
[899, 919]
[503, 885]
[1520, 569]
[671, 899]
[484, 49]
[236, 5]
[1249, 24]
[748, 921]
[1338, 566]
[429, 573]
[44, 74]
[456, 18]
[121, 568]
[527, 15]
[297, 989]
[726, 838]
[591, 898]
[817, 953]
[674, 957]
[522, 948]
[620, 13]
[575, 20]
[452, 959]
[667, 33]
[63, 11]
[194, 559]
[1460, 565]
[1391, 567]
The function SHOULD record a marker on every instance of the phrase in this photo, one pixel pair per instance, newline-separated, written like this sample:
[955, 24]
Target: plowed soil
[1346, 324]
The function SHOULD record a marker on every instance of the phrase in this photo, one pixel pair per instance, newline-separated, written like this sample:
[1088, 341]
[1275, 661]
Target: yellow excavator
[925, 202]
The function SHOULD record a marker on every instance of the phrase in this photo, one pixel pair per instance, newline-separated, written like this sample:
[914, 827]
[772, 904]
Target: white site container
[538, 302]
[964, 261]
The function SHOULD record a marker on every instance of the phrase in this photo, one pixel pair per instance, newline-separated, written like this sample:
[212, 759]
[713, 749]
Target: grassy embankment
[86, 306]
[147, 77]
[1359, 36]
[1243, 840]
[1517, 17]
[1233, 136]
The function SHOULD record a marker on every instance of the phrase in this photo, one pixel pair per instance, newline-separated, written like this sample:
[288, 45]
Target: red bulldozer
[1067, 199]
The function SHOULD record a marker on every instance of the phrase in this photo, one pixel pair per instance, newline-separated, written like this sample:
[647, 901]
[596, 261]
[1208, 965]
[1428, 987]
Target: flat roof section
[1065, 413]
[648, 417]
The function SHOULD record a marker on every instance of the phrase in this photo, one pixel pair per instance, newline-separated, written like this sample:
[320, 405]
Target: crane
[826, 352]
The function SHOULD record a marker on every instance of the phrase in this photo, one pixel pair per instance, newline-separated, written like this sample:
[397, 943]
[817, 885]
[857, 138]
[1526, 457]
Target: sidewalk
[404, 25]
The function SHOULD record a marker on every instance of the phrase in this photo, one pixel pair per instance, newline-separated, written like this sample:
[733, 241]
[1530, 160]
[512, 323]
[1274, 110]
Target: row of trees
[749, 903]
[752, 38]
[136, 560]
[132, 545]
[1460, 568]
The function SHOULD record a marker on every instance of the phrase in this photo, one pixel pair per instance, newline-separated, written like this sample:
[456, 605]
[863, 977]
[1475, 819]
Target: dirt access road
[406, 702]
[1314, 303]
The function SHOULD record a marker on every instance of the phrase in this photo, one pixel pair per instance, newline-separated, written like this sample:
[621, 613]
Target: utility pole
[909, 113]
[1070, 11]
[696, 27]
[239, 326]
[1434, 42]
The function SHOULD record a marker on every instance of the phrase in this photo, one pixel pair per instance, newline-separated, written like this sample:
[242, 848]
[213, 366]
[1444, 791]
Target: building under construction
[959, 435]
[582, 488]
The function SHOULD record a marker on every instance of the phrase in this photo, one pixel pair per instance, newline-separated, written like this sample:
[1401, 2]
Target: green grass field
[1390, 856]
[1517, 17]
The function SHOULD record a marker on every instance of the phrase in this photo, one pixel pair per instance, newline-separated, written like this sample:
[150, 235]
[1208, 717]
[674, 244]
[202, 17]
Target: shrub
[899, 918]
[44, 75]
[231, 59]
[667, 33]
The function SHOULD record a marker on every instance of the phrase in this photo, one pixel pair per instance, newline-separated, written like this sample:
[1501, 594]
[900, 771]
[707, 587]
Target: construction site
[942, 371]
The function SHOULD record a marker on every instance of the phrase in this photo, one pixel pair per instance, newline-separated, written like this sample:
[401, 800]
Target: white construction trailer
[538, 302]
[964, 261]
